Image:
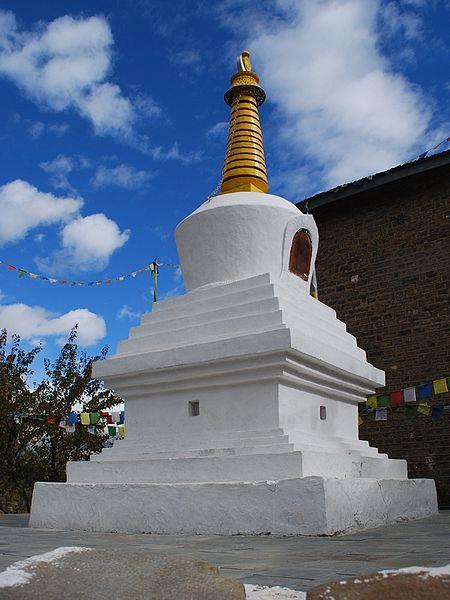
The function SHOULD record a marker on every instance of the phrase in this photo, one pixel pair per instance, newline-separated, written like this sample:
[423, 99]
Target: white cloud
[36, 129]
[23, 207]
[35, 322]
[87, 244]
[218, 130]
[124, 176]
[174, 153]
[65, 64]
[58, 128]
[2, 296]
[126, 312]
[58, 169]
[340, 105]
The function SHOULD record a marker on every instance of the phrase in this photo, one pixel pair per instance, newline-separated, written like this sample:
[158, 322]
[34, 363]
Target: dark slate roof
[413, 167]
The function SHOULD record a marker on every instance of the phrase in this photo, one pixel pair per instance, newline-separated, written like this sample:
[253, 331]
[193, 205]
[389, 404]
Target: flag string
[153, 267]
[441, 143]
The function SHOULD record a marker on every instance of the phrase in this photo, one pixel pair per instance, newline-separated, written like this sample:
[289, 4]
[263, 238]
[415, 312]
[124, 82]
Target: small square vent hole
[323, 413]
[194, 408]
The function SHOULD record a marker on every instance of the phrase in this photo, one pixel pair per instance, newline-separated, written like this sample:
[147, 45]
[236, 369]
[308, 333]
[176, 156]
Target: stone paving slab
[299, 563]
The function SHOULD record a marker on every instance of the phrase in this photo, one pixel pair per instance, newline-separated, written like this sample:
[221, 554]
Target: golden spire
[244, 168]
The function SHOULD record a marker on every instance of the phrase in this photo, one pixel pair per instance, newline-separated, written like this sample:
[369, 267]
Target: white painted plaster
[260, 356]
[303, 506]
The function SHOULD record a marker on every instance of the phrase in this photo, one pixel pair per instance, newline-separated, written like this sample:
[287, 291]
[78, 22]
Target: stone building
[384, 266]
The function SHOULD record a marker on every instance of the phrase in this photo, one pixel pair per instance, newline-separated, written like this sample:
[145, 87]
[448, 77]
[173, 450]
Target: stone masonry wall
[384, 266]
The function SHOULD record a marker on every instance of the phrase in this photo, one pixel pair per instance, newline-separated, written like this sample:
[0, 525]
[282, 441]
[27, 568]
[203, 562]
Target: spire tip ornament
[244, 168]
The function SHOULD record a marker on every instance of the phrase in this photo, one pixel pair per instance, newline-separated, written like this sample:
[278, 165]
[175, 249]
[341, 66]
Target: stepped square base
[300, 506]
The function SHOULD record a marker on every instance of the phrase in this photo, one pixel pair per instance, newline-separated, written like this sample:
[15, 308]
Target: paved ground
[295, 562]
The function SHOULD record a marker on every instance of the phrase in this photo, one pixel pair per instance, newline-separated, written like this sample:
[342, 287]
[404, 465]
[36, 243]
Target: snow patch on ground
[425, 572]
[262, 592]
[16, 573]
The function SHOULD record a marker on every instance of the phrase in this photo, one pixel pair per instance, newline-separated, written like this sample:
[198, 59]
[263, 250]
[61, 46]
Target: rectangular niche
[323, 413]
[194, 408]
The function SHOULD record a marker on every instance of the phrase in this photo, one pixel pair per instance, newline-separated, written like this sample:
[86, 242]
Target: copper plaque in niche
[301, 252]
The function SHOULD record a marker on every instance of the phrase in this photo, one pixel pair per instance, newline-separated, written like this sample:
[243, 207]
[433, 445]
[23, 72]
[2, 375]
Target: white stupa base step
[300, 506]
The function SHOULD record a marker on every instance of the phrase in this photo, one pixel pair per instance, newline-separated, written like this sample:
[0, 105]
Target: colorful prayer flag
[424, 391]
[381, 414]
[121, 430]
[424, 408]
[411, 411]
[436, 411]
[112, 430]
[396, 398]
[383, 401]
[85, 418]
[372, 401]
[440, 386]
[121, 417]
[94, 418]
[73, 418]
[360, 420]
[409, 394]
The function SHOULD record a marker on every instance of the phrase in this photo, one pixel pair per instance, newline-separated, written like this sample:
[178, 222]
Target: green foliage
[35, 450]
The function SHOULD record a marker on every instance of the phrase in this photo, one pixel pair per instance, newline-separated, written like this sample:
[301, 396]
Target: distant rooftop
[412, 167]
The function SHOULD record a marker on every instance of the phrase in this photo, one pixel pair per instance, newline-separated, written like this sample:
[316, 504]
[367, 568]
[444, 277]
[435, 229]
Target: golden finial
[244, 168]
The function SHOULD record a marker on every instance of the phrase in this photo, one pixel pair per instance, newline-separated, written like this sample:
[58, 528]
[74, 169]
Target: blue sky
[113, 129]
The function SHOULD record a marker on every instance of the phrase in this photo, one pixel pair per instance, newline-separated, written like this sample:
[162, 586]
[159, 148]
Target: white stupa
[241, 395]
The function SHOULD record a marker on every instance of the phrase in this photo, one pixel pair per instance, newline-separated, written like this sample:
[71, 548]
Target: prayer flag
[11, 267]
[424, 391]
[122, 417]
[22, 272]
[52, 280]
[411, 412]
[409, 394]
[112, 430]
[63, 423]
[115, 416]
[440, 386]
[395, 398]
[121, 429]
[94, 418]
[424, 408]
[33, 275]
[85, 418]
[436, 411]
[383, 401]
[52, 418]
[372, 401]
[91, 429]
[73, 418]
[105, 415]
[70, 428]
[381, 414]
[360, 420]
